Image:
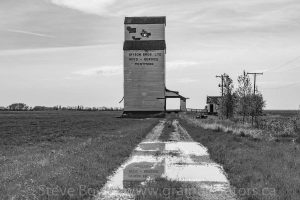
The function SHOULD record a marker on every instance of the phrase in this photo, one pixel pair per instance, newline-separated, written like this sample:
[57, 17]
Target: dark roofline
[212, 99]
[167, 90]
[214, 96]
[144, 45]
[145, 20]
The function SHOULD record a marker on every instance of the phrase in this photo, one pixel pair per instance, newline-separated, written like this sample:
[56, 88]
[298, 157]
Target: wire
[282, 86]
[285, 63]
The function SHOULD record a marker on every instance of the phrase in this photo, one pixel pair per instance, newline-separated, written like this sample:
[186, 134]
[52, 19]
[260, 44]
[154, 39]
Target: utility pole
[254, 74]
[222, 82]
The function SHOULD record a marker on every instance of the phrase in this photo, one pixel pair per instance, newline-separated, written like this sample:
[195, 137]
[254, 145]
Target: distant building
[212, 104]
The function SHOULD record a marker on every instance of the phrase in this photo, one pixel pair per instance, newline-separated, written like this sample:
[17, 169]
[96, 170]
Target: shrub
[279, 127]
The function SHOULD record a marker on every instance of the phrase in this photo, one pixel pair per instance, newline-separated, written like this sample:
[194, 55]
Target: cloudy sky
[69, 52]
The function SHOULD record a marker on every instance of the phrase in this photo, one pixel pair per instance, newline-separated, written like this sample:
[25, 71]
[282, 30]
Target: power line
[285, 63]
[283, 86]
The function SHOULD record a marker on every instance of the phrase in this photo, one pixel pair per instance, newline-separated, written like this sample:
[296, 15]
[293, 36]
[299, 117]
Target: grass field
[272, 125]
[69, 154]
[258, 169]
[282, 113]
[63, 154]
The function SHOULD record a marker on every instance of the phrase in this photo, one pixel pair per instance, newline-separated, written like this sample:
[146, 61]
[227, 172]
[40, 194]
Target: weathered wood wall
[144, 64]
[183, 104]
[144, 80]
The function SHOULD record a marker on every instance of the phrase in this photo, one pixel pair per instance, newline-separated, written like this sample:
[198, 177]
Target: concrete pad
[183, 161]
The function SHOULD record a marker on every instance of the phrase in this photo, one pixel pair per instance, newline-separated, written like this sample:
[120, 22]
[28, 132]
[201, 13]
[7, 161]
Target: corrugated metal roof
[145, 20]
[213, 99]
[144, 45]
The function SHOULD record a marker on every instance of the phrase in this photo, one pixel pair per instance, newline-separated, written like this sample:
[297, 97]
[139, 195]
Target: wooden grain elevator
[145, 66]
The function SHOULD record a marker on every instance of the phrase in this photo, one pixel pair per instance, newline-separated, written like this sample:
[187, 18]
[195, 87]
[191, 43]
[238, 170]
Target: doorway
[211, 108]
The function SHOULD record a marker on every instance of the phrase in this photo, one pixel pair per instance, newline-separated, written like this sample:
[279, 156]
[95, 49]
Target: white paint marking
[178, 161]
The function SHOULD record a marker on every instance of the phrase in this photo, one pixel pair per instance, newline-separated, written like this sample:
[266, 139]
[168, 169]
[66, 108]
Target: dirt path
[179, 159]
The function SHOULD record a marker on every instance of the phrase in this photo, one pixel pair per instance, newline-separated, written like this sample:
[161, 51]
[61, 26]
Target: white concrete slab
[184, 161]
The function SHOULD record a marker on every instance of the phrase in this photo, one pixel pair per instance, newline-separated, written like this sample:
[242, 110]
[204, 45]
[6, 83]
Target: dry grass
[269, 127]
[168, 129]
[63, 155]
[225, 126]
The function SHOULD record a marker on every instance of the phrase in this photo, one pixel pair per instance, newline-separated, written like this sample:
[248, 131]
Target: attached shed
[212, 104]
[175, 94]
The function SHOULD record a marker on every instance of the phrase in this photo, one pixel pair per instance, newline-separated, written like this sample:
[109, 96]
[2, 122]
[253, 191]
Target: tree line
[24, 107]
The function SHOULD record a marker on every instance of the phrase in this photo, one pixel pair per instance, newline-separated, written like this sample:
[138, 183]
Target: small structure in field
[212, 104]
[144, 67]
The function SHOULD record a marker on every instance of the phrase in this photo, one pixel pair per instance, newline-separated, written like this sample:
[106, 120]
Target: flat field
[63, 154]
[282, 113]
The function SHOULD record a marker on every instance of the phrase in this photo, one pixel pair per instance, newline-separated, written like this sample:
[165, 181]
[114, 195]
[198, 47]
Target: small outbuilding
[212, 104]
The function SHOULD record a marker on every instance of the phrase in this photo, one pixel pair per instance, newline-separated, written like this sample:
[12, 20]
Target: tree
[257, 105]
[18, 106]
[227, 103]
[243, 93]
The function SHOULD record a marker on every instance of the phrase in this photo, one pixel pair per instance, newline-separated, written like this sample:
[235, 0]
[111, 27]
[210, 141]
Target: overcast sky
[69, 52]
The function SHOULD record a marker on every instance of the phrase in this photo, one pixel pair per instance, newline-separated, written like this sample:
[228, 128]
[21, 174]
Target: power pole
[222, 82]
[254, 74]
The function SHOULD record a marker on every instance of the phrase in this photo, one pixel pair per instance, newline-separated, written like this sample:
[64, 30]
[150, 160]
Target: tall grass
[267, 127]
[226, 126]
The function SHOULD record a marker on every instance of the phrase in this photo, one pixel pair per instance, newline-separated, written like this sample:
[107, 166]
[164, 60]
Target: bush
[279, 126]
